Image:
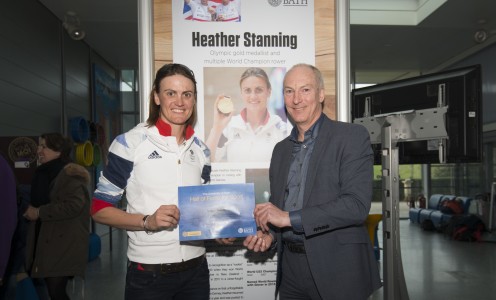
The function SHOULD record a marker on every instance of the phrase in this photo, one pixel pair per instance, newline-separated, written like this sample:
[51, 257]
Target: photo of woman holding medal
[250, 135]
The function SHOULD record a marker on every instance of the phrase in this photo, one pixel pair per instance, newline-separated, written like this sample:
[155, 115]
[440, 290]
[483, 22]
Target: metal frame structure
[394, 278]
[388, 129]
[491, 207]
[146, 54]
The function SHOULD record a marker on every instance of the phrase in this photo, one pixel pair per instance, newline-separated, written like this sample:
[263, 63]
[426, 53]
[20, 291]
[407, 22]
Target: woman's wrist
[145, 225]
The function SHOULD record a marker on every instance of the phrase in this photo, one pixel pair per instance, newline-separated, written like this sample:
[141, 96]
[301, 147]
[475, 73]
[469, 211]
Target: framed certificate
[216, 211]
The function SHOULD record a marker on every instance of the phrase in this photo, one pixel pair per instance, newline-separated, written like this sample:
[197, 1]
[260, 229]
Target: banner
[239, 51]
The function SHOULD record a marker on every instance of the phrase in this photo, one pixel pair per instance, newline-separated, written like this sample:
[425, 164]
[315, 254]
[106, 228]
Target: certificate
[216, 211]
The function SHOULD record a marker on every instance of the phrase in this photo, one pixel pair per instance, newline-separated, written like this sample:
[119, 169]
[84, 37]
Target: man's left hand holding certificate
[216, 211]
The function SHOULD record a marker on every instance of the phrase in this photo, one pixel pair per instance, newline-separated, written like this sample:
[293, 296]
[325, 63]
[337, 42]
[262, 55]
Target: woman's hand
[32, 213]
[220, 122]
[166, 216]
[260, 242]
[220, 119]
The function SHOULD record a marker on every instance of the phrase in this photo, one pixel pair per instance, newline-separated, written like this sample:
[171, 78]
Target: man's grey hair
[318, 75]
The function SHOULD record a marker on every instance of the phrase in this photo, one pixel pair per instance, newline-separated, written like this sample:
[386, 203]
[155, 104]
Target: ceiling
[111, 27]
[389, 39]
[432, 39]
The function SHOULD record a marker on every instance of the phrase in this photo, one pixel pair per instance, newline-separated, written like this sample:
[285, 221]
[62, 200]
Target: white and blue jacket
[150, 167]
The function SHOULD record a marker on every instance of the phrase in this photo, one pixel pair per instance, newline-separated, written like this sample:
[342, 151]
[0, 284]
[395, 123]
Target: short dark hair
[166, 71]
[57, 142]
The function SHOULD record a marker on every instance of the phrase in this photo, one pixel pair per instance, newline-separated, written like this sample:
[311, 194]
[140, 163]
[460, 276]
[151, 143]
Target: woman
[150, 162]
[201, 11]
[57, 244]
[251, 135]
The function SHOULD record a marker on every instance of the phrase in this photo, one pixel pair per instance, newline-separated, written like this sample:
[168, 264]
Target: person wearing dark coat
[8, 215]
[320, 196]
[58, 235]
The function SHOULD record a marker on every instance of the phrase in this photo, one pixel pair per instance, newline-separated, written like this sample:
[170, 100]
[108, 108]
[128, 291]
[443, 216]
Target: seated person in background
[251, 135]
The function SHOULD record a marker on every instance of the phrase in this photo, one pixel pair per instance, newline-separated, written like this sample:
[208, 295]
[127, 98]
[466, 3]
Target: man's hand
[268, 213]
[258, 243]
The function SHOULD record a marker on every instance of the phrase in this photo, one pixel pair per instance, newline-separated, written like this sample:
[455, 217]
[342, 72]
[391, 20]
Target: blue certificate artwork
[216, 211]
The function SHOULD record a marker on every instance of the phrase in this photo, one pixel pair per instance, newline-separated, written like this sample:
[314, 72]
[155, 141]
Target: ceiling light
[73, 26]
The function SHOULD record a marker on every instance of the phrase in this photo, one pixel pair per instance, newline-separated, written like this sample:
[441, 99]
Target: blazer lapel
[284, 171]
[323, 139]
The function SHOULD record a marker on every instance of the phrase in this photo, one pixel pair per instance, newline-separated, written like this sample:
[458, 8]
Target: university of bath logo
[275, 2]
[288, 2]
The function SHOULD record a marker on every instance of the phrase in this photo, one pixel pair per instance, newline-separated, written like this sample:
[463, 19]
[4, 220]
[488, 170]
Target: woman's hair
[256, 72]
[166, 71]
[57, 142]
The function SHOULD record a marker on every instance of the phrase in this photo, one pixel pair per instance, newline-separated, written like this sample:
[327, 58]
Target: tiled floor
[435, 267]
[105, 276]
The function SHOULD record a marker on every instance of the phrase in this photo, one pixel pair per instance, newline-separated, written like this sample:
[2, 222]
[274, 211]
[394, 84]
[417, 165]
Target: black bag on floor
[427, 225]
[466, 228]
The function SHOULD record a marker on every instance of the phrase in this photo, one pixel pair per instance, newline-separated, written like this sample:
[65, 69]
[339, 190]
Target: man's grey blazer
[336, 203]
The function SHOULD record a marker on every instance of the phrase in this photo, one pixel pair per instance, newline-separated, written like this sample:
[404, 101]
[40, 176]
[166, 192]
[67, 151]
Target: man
[321, 188]
[200, 11]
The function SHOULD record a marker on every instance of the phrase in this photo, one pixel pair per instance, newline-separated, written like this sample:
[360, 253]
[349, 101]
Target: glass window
[129, 121]
[130, 100]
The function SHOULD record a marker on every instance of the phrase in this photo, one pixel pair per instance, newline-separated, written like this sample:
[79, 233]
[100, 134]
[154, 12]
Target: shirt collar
[312, 132]
[166, 130]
